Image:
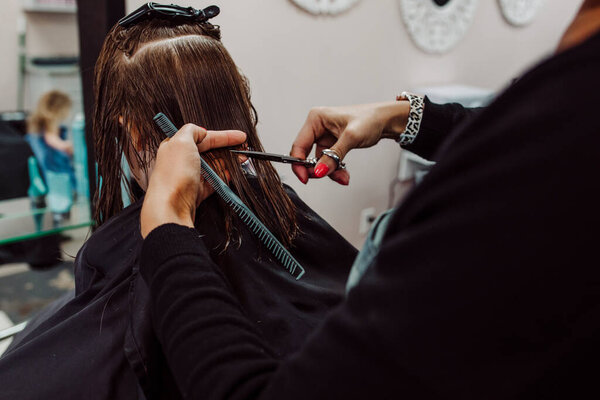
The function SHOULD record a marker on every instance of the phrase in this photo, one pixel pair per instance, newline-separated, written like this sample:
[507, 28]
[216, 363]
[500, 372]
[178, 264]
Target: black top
[487, 283]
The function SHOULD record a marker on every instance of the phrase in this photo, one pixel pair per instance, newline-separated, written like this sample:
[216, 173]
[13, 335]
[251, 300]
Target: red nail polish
[342, 181]
[321, 170]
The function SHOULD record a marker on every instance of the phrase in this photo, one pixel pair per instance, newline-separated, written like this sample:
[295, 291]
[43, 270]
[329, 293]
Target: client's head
[182, 70]
[52, 108]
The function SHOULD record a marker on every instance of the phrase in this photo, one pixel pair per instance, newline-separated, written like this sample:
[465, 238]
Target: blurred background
[296, 54]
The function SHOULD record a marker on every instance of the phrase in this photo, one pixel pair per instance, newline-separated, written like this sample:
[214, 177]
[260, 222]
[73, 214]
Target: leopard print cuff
[415, 115]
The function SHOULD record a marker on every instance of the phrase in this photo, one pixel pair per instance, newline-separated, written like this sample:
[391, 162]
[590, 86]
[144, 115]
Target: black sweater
[487, 283]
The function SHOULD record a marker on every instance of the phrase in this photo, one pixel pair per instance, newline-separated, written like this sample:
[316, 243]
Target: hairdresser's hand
[343, 129]
[176, 187]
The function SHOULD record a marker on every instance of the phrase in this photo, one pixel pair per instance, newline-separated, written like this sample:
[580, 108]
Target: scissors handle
[309, 162]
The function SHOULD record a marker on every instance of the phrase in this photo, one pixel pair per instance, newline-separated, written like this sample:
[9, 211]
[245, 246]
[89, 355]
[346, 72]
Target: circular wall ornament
[331, 7]
[436, 26]
[520, 12]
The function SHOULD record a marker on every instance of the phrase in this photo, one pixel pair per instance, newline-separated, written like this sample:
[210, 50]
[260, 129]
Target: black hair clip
[169, 11]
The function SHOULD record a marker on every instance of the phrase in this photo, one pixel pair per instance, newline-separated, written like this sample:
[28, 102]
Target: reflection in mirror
[44, 183]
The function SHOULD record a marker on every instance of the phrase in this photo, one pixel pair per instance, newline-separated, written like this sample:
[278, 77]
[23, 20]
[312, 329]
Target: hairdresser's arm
[54, 140]
[438, 120]
[345, 128]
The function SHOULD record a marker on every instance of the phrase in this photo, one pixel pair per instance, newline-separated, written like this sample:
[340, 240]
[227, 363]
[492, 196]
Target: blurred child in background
[47, 134]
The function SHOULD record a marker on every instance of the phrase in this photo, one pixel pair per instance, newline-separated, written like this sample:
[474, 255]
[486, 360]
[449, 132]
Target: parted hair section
[184, 71]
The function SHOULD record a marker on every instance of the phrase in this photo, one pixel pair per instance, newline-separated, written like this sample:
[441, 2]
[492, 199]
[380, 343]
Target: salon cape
[100, 344]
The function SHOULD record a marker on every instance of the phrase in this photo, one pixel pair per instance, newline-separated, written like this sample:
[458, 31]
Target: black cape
[100, 344]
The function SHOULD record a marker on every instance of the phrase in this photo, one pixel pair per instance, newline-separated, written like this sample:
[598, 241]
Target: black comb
[245, 214]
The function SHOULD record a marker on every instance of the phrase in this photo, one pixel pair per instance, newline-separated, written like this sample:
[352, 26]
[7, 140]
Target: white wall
[9, 67]
[48, 34]
[52, 34]
[295, 61]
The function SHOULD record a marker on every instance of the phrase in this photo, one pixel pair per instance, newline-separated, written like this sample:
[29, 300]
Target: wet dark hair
[184, 71]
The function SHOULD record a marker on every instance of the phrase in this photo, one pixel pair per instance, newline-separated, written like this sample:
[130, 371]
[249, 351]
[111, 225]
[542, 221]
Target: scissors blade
[275, 157]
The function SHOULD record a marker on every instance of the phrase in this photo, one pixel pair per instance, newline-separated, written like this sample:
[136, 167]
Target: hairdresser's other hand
[343, 129]
[176, 187]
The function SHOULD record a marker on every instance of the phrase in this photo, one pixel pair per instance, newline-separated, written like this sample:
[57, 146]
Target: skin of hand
[343, 129]
[176, 187]
[53, 139]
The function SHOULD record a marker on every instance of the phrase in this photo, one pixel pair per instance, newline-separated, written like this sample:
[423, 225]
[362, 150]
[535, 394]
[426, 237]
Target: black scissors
[309, 162]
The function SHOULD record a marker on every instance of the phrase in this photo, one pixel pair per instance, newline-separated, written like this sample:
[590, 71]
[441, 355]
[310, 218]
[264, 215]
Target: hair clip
[168, 11]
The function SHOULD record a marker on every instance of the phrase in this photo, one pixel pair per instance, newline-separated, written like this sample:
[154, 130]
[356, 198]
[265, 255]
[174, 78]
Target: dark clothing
[77, 353]
[14, 152]
[438, 120]
[487, 284]
[14, 181]
[101, 343]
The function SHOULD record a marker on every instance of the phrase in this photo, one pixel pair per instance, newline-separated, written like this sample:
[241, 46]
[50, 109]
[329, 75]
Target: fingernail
[321, 170]
[305, 180]
[342, 181]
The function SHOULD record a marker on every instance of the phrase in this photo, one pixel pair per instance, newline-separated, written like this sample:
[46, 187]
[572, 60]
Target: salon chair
[14, 182]
[14, 152]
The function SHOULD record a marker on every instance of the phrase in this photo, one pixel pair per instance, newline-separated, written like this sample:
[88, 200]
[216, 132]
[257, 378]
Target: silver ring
[335, 156]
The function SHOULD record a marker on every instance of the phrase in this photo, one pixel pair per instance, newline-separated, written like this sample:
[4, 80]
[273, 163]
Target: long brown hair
[184, 71]
[51, 108]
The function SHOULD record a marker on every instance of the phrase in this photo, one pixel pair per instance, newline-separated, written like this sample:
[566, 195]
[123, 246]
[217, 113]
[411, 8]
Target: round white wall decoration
[520, 12]
[436, 26]
[331, 7]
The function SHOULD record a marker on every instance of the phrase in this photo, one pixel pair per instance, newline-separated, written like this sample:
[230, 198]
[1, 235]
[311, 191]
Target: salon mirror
[44, 182]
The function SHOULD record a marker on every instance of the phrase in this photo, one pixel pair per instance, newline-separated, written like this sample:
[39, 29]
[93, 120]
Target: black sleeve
[212, 348]
[215, 352]
[438, 121]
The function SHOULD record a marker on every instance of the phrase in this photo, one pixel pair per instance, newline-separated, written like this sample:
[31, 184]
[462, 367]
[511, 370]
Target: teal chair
[36, 192]
[60, 195]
